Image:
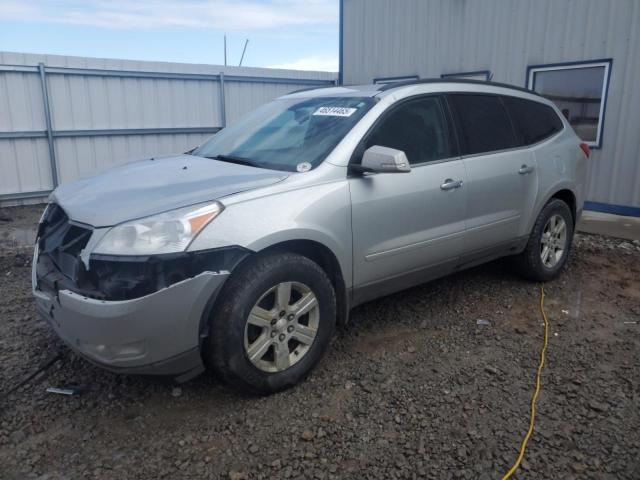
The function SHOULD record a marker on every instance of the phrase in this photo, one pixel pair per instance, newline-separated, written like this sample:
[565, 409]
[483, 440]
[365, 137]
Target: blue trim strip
[340, 44]
[578, 64]
[486, 73]
[615, 209]
[395, 79]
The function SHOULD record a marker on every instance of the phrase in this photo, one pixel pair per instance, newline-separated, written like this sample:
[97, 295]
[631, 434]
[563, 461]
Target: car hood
[155, 185]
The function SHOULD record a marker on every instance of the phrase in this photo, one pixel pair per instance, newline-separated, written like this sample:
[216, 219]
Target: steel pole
[47, 119]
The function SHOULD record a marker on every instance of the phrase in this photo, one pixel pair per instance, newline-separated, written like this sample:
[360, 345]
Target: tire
[256, 289]
[530, 262]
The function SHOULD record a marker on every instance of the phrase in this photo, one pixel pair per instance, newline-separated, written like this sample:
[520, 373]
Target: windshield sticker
[303, 167]
[335, 111]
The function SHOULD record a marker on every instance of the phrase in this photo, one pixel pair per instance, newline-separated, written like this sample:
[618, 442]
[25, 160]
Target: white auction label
[335, 111]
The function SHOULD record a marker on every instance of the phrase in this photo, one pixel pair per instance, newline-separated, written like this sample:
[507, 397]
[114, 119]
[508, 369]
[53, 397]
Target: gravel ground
[413, 387]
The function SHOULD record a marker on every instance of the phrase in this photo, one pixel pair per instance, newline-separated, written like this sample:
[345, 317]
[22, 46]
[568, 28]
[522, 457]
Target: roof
[336, 91]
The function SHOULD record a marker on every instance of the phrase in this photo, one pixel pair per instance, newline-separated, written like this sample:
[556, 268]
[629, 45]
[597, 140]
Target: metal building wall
[105, 112]
[387, 38]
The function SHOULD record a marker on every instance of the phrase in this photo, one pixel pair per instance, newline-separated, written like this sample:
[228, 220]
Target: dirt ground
[413, 387]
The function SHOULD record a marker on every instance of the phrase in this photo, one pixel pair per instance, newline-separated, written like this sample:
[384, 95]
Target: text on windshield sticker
[335, 111]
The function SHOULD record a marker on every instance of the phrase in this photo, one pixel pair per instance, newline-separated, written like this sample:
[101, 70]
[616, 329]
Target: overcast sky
[299, 34]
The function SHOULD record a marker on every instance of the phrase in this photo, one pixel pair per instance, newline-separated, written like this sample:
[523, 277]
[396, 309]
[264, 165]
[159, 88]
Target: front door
[408, 227]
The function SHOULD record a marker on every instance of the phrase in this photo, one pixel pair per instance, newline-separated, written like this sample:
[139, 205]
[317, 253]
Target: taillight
[585, 148]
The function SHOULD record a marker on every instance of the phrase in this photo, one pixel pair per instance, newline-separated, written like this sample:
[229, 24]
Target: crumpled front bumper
[157, 334]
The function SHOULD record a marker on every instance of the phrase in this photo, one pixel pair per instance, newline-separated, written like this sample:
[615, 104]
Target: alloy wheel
[281, 326]
[554, 241]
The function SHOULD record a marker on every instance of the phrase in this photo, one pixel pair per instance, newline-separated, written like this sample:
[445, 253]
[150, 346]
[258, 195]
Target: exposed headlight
[168, 232]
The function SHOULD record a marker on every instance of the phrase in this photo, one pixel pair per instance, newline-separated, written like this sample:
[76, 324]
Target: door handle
[450, 184]
[524, 169]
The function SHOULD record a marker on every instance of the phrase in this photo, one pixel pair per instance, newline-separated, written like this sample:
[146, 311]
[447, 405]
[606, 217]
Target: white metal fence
[63, 118]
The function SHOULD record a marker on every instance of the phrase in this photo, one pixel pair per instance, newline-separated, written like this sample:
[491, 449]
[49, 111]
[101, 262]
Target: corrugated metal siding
[244, 97]
[83, 102]
[85, 156]
[24, 163]
[383, 38]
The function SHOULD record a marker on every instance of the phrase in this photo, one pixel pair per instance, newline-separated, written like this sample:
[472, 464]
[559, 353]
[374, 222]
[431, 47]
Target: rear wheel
[549, 244]
[273, 324]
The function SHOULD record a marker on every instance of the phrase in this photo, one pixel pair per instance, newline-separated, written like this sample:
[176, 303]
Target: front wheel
[549, 244]
[273, 324]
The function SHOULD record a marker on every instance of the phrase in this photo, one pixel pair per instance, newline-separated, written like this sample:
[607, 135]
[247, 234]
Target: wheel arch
[314, 250]
[328, 261]
[564, 191]
[568, 197]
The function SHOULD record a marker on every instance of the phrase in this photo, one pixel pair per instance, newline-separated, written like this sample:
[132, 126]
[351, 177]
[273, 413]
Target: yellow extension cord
[536, 393]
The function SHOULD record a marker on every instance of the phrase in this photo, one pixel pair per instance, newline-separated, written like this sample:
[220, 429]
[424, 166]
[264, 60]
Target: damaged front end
[131, 314]
[115, 277]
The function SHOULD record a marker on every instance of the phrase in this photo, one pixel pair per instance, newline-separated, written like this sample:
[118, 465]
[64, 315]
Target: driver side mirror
[379, 159]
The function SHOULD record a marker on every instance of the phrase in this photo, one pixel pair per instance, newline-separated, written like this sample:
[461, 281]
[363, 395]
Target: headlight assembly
[168, 232]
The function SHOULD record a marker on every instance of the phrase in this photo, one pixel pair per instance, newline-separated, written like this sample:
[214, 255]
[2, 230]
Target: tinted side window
[483, 124]
[533, 121]
[417, 127]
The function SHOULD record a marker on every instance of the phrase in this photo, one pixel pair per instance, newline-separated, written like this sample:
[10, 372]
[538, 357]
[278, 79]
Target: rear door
[408, 227]
[501, 176]
[536, 126]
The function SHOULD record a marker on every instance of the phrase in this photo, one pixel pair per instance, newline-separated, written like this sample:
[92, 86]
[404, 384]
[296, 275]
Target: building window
[580, 92]
[483, 75]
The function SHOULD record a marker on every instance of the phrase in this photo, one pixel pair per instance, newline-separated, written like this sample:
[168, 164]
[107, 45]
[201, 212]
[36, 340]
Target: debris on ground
[66, 390]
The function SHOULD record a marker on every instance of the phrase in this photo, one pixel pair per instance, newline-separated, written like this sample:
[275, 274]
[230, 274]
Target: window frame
[452, 134]
[458, 127]
[465, 75]
[607, 63]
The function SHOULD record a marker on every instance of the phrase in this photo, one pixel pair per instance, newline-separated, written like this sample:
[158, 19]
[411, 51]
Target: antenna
[225, 50]
[243, 50]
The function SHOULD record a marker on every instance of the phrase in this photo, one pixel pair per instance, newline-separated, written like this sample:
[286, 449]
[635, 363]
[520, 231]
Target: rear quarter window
[482, 123]
[533, 121]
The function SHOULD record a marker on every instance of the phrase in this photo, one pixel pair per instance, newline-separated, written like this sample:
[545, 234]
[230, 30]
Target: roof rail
[389, 86]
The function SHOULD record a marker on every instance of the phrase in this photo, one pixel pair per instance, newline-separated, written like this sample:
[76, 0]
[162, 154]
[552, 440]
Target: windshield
[289, 134]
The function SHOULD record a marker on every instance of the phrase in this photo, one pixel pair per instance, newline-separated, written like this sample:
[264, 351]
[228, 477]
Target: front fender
[320, 213]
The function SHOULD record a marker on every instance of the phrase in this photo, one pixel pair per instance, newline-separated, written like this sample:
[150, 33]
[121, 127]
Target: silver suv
[244, 253]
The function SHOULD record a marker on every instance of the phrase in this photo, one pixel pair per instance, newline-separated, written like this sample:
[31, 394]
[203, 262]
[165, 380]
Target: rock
[490, 369]
[233, 475]
[307, 435]
[598, 406]
[578, 467]
[462, 453]
[176, 392]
